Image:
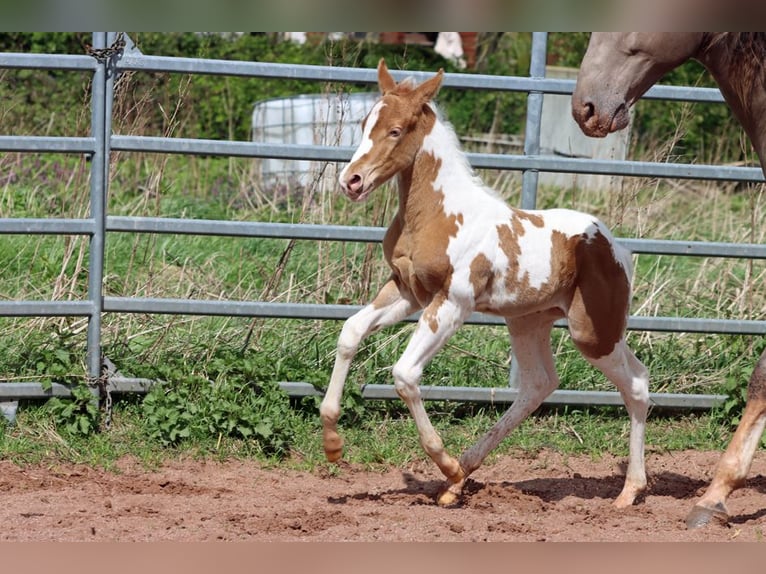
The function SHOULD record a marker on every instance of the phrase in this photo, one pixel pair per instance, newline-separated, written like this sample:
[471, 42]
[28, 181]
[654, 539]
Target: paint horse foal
[455, 247]
[616, 71]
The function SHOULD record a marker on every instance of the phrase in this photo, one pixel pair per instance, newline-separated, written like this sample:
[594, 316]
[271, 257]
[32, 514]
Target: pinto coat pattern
[454, 247]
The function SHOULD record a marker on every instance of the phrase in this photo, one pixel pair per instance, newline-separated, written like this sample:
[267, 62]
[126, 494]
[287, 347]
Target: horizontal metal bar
[47, 61]
[547, 163]
[369, 76]
[121, 384]
[482, 395]
[46, 308]
[506, 395]
[192, 146]
[48, 144]
[45, 226]
[33, 390]
[131, 224]
[694, 248]
[559, 164]
[342, 312]
[244, 228]
[695, 325]
[228, 308]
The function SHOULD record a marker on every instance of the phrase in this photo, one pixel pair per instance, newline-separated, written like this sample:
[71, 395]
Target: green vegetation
[218, 394]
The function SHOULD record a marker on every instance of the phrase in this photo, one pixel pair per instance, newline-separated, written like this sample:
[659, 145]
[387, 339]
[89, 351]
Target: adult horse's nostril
[588, 110]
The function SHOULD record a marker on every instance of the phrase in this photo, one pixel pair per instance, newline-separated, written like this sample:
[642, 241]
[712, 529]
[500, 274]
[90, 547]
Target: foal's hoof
[448, 497]
[333, 448]
[333, 455]
[700, 516]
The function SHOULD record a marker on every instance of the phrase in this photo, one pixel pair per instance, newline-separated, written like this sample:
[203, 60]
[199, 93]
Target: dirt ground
[546, 497]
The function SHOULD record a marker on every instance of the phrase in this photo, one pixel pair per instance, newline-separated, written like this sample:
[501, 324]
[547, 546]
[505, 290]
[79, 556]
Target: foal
[455, 247]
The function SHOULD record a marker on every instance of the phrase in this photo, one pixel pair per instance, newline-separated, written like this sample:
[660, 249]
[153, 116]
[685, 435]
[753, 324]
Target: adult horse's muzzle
[597, 119]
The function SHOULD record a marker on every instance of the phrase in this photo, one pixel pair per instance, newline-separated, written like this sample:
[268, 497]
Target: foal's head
[393, 132]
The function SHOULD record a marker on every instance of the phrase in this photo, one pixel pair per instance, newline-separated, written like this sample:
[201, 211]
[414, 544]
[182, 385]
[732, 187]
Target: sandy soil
[546, 497]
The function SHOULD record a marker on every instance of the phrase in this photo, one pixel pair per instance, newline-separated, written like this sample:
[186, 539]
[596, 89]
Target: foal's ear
[426, 91]
[385, 80]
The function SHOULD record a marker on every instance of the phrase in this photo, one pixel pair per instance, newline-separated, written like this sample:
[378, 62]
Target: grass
[193, 353]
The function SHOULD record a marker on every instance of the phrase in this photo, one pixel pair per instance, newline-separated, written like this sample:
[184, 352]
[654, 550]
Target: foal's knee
[349, 338]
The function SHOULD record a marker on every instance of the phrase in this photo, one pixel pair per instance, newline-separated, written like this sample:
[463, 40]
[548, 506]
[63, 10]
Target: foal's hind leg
[534, 376]
[388, 307]
[735, 463]
[632, 379]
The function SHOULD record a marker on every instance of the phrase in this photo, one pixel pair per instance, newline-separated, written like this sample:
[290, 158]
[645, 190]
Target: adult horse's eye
[395, 132]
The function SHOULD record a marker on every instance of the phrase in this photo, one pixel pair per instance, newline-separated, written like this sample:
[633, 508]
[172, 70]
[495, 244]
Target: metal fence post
[99, 163]
[534, 118]
[532, 134]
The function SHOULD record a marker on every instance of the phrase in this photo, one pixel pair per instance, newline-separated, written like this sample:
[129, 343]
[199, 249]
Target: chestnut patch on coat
[599, 308]
[481, 275]
[415, 244]
[563, 264]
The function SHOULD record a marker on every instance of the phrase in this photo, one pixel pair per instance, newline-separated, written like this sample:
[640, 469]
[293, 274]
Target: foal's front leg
[437, 324]
[388, 307]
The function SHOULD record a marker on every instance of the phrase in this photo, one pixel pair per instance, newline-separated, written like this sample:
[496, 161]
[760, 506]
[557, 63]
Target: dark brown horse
[618, 68]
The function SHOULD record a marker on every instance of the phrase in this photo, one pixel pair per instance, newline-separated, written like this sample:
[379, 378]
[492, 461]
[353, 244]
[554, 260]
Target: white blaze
[366, 144]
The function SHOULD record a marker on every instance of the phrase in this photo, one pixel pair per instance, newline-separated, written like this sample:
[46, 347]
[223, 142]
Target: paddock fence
[114, 53]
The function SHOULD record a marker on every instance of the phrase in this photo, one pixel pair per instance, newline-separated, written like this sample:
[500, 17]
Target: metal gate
[114, 53]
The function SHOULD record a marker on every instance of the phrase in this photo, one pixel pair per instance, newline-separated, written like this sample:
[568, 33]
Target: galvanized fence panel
[99, 225]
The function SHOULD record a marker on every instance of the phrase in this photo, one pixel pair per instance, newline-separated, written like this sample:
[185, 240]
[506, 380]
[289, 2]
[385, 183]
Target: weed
[228, 403]
[78, 415]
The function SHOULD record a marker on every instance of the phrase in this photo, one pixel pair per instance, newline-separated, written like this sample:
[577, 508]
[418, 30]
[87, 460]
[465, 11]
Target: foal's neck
[440, 168]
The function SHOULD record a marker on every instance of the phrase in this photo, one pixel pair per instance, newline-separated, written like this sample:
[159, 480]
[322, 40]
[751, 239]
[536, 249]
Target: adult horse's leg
[440, 319]
[734, 465]
[388, 307]
[631, 377]
[535, 377]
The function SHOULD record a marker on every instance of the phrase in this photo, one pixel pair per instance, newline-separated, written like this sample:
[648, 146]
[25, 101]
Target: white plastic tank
[311, 119]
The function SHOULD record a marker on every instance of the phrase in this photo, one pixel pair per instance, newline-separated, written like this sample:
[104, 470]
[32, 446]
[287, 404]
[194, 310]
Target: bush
[229, 402]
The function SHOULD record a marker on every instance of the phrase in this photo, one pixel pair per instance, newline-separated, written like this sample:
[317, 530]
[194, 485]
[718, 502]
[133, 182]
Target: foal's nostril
[354, 182]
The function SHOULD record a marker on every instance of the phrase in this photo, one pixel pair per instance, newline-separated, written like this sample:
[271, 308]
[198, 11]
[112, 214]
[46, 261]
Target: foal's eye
[395, 132]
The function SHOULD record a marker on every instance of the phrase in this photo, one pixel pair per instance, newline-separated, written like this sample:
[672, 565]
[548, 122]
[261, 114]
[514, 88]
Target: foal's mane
[746, 58]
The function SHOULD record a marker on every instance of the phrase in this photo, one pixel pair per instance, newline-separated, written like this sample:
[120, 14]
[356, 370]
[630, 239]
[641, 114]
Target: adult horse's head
[618, 68]
[392, 133]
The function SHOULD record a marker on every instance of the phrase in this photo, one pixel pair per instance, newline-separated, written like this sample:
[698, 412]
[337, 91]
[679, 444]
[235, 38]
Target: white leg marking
[534, 375]
[408, 370]
[632, 379]
[389, 308]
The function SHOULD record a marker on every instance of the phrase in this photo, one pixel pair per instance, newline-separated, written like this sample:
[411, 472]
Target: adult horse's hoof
[700, 516]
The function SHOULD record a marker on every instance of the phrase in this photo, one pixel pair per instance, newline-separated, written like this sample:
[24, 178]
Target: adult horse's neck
[748, 106]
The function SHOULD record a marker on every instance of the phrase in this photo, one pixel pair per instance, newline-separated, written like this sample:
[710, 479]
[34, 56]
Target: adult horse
[455, 247]
[616, 70]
